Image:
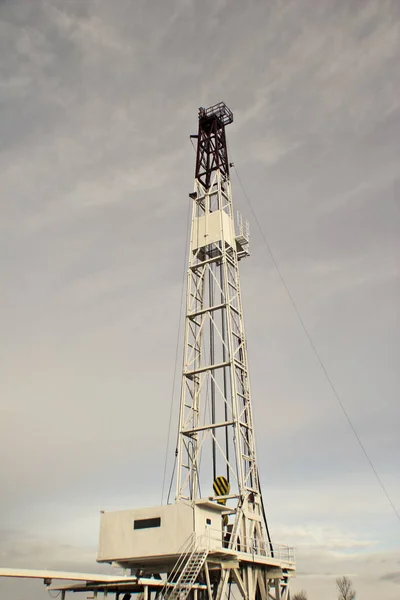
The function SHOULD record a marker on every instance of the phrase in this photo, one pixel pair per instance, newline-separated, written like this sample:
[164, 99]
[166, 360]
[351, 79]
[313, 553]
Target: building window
[208, 521]
[147, 523]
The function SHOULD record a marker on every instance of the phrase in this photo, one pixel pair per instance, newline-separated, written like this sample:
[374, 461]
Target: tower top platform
[220, 110]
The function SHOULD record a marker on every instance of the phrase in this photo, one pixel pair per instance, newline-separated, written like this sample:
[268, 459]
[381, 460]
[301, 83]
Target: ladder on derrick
[186, 571]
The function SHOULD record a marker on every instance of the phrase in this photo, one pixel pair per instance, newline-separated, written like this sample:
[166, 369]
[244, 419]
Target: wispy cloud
[98, 100]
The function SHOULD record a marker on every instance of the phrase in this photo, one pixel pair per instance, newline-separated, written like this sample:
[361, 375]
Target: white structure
[145, 536]
[215, 535]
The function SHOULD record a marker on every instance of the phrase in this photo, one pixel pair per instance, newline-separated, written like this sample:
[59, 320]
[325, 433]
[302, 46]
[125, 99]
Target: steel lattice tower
[216, 421]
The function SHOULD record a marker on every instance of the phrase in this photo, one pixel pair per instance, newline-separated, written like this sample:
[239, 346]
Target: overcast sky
[97, 102]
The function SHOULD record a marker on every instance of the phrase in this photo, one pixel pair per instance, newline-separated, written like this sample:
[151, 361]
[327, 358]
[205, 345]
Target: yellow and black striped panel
[221, 487]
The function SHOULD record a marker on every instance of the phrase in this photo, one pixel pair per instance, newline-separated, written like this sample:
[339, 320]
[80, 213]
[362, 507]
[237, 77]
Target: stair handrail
[194, 551]
[186, 549]
[188, 575]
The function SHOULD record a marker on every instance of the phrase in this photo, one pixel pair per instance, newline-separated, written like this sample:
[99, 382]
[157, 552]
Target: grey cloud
[98, 100]
[394, 577]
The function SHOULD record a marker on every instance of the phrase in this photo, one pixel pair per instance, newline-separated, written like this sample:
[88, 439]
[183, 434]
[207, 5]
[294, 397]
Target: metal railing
[212, 540]
[242, 229]
[185, 571]
[220, 110]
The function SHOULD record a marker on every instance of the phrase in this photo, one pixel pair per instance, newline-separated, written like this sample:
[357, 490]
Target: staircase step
[190, 566]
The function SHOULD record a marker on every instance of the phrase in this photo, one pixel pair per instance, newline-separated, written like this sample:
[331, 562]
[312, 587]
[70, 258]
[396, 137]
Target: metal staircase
[188, 566]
